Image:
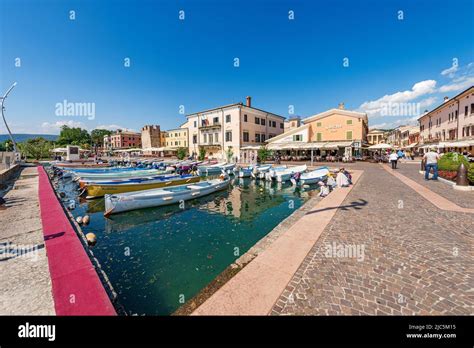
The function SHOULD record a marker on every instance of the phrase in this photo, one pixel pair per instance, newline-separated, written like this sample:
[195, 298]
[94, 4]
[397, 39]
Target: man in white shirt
[431, 161]
[393, 158]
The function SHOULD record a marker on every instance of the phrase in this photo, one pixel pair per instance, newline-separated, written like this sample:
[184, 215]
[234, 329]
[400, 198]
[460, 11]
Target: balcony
[214, 125]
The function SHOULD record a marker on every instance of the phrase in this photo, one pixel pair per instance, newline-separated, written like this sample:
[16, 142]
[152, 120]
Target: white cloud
[450, 71]
[458, 84]
[419, 89]
[55, 127]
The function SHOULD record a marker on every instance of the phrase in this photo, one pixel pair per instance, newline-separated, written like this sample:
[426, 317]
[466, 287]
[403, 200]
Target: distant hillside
[19, 138]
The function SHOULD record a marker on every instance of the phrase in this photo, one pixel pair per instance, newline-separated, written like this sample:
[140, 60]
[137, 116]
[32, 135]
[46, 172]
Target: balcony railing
[211, 125]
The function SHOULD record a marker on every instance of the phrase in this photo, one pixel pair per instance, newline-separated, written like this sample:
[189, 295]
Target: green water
[156, 258]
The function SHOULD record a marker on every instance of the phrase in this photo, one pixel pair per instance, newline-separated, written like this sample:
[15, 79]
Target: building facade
[122, 139]
[176, 138]
[451, 124]
[377, 136]
[222, 132]
[292, 123]
[151, 136]
[336, 131]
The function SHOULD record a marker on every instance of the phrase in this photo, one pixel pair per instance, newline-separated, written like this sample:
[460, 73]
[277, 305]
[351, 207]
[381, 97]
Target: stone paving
[25, 288]
[462, 198]
[398, 254]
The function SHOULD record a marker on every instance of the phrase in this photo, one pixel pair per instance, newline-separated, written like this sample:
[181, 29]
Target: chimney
[249, 101]
[446, 99]
[341, 106]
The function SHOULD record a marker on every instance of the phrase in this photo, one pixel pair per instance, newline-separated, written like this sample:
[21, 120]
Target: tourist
[393, 158]
[400, 154]
[331, 182]
[347, 174]
[323, 189]
[431, 162]
[342, 180]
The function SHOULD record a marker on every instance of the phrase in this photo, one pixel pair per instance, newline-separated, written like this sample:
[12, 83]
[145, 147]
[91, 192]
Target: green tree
[36, 148]
[97, 136]
[263, 153]
[73, 136]
[229, 154]
[181, 153]
[7, 145]
[202, 153]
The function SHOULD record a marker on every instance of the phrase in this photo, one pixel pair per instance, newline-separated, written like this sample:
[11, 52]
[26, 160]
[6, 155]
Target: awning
[250, 147]
[381, 146]
[308, 146]
[412, 145]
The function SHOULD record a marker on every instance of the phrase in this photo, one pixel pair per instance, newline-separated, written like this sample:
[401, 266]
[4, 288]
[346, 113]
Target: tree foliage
[202, 153]
[73, 136]
[36, 148]
[181, 153]
[263, 153]
[97, 136]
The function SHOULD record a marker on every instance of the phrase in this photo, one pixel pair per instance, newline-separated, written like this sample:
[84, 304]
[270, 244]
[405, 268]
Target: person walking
[393, 158]
[431, 161]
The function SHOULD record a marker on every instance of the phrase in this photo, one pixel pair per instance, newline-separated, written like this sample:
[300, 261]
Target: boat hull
[161, 197]
[94, 191]
[287, 174]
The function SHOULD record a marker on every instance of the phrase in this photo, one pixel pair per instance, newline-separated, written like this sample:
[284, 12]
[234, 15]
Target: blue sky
[190, 62]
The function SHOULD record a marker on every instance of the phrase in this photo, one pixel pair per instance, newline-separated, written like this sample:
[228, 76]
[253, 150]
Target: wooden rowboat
[94, 191]
[117, 203]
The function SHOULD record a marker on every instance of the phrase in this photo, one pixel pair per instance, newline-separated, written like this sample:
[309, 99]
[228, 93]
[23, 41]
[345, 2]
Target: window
[246, 137]
[215, 120]
[195, 139]
[257, 120]
[456, 114]
[195, 124]
[205, 137]
[318, 124]
[216, 137]
[263, 138]
[257, 138]
[349, 135]
[227, 118]
[228, 136]
[263, 122]
[281, 125]
[349, 122]
[297, 137]
[319, 136]
[245, 117]
[210, 138]
[270, 136]
[466, 110]
[472, 108]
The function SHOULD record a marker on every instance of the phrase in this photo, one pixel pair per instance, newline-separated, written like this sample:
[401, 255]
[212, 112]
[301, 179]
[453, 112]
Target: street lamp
[3, 115]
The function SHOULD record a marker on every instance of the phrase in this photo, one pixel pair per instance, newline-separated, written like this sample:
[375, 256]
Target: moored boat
[285, 175]
[271, 173]
[245, 172]
[99, 190]
[259, 171]
[117, 203]
[122, 175]
[313, 176]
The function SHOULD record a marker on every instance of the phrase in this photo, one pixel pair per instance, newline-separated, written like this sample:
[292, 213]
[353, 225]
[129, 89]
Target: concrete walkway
[25, 288]
[412, 257]
[254, 290]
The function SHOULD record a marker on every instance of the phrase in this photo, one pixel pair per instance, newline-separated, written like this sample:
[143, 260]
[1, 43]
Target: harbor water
[158, 258]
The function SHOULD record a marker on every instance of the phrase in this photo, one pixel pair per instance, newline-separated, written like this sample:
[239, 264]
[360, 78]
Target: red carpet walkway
[77, 289]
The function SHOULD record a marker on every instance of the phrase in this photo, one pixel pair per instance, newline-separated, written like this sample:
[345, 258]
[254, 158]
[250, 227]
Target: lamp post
[3, 115]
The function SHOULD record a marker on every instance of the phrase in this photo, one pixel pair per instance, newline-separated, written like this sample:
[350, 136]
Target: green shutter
[349, 135]
[349, 121]
[319, 136]
[318, 124]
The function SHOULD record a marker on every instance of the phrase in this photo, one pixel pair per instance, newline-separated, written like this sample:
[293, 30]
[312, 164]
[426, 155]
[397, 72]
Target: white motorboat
[285, 175]
[313, 176]
[271, 174]
[116, 203]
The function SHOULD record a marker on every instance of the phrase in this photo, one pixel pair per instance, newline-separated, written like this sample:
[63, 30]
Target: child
[323, 189]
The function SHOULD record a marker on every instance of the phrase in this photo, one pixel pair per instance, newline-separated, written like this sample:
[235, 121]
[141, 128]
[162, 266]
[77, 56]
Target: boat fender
[79, 220]
[86, 219]
[91, 238]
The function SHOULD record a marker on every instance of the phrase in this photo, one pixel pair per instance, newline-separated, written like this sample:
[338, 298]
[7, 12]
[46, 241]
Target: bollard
[461, 178]
[423, 166]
